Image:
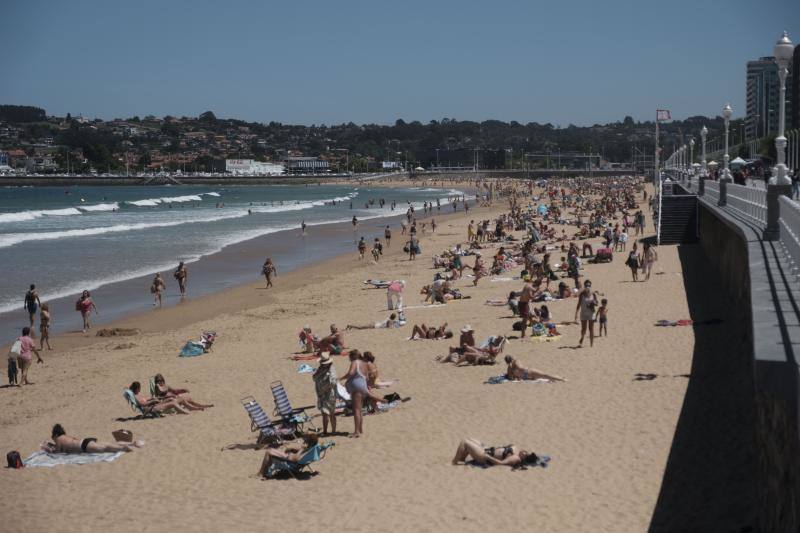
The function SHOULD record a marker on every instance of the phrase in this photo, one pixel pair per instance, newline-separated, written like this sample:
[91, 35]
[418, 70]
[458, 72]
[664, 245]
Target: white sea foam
[211, 193]
[23, 216]
[99, 207]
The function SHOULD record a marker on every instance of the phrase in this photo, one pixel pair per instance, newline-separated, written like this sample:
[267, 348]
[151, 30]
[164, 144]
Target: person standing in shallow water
[269, 271]
[182, 275]
[32, 303]
[157, 288]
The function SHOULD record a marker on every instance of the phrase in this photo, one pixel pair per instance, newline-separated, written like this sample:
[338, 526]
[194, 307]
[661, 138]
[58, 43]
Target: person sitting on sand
[333, 343]
[510, 455]
[515, 372]
[63, 443]
[467, 338]
[154, 405]
[390, 323]
[165, 392]
[424, 332]
[307, 339]
[289, 454]
[484, 354]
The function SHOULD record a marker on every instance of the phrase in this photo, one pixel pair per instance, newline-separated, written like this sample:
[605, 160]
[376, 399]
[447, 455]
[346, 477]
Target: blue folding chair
[294, 417]
[269, 432]
[312, 455]
[137, 407]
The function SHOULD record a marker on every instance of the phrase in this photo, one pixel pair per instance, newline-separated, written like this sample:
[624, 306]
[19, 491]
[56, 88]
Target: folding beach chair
[136, 406]
[269, 432]
[312, 455]
[294, 417]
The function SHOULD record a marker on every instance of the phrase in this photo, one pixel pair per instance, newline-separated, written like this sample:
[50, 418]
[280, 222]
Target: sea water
[67, 239]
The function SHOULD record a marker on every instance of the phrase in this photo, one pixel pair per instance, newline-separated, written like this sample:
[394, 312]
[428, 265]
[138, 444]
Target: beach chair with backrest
[312, 455]
[136, 406]
[269, 432]
[293, 417]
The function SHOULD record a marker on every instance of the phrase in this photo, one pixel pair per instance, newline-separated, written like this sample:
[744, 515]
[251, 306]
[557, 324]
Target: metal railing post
[723, 192]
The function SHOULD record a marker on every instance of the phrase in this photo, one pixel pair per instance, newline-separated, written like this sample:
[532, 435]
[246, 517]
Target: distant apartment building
[763, 97]
[251, 167]
[306, 165]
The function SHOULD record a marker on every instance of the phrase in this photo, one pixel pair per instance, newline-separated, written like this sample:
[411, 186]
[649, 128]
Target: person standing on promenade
[269, 270]
[44, 327]
[32, 303]
[85, 306]
[587, 302]
[182, 275]
[157, 288]
[27, 348]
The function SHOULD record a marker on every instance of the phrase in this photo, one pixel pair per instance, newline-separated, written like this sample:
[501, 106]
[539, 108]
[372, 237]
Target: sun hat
[466, 329]
[325, 358]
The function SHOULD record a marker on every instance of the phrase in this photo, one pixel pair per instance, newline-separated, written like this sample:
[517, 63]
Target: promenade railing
[712, 190]
[789, 223]
[748, 201]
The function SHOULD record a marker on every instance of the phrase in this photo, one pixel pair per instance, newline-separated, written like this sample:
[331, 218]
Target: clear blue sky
[313, 61]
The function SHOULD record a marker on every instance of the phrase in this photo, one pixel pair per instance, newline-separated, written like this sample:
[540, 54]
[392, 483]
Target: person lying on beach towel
[394, 321]
[63, 443]
[515, 372]
[422, 331]
[510, 455]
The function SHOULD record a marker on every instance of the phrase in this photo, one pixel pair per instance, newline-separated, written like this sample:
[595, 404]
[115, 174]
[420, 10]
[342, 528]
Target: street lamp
[703, 135]
[691, 157]
[783, 55]
[726, 114]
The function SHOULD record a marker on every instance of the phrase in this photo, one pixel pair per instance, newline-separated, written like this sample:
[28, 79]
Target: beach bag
[14, 460]
[192, 349]
[538, 330]
[15, 350]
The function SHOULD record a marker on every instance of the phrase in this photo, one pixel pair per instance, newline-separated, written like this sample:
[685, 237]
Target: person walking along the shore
[44, 327]
[32, 303]
[85, 306]
[182, 275]
[649, 257]
[269, 270]
[27, 348]
[387, 234]
[157, 288]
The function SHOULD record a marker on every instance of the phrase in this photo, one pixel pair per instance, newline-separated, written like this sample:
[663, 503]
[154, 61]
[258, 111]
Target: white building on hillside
[251, 167]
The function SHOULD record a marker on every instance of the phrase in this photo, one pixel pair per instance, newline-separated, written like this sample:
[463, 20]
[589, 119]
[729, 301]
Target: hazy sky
[304, 61]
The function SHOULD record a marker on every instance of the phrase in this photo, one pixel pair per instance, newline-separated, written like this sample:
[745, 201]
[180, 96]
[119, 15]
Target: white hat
[466, 329]
[325, 358]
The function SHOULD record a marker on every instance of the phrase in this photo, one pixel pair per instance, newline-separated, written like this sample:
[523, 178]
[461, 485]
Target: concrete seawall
[755, 275]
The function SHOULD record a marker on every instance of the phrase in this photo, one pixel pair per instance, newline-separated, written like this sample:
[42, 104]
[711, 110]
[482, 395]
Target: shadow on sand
[709, 480]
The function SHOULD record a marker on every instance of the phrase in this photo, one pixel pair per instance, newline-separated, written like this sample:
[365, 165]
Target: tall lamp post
[704, 166]
[691, 157]
[783, 55]
[726, 114]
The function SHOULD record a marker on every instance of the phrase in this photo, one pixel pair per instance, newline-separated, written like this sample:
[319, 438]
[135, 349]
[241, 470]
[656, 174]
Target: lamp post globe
[784, 49]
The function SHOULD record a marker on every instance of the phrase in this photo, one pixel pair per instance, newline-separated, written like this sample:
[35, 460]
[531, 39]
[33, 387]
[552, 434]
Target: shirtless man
[333, 343]
[524, 305]
[182, 275]
[32, 303]
[63, 443]
[514, 372]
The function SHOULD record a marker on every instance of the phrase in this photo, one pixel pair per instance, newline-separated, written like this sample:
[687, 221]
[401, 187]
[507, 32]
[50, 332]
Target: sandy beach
[607, 432]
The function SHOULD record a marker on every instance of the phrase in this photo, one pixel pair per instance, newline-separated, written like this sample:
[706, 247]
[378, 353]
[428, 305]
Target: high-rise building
[763, 96]
[793, 93]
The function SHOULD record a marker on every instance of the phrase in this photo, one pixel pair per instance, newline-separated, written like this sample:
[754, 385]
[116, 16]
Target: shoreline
[211, 269]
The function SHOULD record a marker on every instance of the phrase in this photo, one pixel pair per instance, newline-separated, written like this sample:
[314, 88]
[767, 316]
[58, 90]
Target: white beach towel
[42, 458]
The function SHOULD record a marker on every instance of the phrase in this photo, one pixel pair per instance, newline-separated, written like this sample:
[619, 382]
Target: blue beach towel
[305, 369]
[192, 349]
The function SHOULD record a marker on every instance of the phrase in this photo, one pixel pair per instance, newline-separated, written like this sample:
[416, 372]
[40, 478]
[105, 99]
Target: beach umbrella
[419, 168]
[738, 162]
[713, 164]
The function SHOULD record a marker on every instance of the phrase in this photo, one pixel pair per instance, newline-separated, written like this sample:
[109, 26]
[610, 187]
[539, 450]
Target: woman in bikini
[157, 288]
[63, 443]
[514, 372]
[44, 327]
[290, 454]
[85, 306]
[165, 392]
[587, 302]
[424, 332]
[155, 405]
[510, 455]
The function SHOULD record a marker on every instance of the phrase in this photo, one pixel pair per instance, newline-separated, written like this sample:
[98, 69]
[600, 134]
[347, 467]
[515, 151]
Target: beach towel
[499, 380]
[502, 279]
[192, 349]
[377, 283]
[42, 458]
[682, 322]
[305, 369]
[541, 460]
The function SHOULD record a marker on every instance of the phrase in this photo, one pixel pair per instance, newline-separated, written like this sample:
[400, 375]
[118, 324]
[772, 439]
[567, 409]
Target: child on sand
[602, 317]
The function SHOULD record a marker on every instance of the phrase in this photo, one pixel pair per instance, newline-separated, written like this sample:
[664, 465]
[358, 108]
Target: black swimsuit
[86, 442]
[507, 450]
